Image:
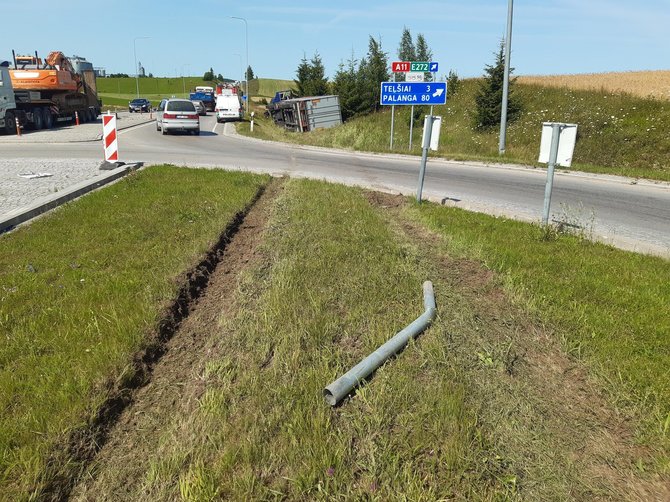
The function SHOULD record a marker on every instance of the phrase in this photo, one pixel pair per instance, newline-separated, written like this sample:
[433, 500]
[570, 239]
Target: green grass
[617, 134]
[610, 308]
[80, 290]
[334, 279]
[267, 87]
[308, 313]
[117, 92]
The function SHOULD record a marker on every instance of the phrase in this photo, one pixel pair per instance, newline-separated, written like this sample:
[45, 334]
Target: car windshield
[138, 101]
[180, 106]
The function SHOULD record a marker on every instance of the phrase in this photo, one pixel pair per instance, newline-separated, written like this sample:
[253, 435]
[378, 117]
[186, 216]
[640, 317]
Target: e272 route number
[419, 66]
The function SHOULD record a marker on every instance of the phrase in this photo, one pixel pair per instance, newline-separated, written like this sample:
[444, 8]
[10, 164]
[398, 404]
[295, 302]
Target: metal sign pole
[428, 130]
[411, 126]
[553, 155]
[392, 119]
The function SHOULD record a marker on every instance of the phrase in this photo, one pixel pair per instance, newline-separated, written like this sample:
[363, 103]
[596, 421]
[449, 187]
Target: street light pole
[241, 74]
[137, 73]
[246, 73]
[508, 49]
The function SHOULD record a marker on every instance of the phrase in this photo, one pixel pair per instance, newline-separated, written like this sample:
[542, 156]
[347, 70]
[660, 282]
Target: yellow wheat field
[639, 83]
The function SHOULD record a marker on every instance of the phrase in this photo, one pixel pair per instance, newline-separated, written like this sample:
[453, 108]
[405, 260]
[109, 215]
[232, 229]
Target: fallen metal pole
[341, 387]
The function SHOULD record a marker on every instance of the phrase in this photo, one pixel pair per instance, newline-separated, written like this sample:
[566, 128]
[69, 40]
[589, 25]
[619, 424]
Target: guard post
[556, 148]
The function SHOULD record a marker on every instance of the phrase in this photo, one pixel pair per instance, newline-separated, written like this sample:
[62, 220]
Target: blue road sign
[433, 67]
[413, 93]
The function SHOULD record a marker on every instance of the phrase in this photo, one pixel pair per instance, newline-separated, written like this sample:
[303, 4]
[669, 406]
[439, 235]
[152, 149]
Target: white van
[228, 108]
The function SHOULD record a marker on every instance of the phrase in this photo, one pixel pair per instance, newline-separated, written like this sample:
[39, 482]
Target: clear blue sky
[549, 37]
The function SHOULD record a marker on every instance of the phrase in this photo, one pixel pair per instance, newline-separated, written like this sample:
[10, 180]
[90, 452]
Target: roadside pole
[411, 126]
[427, 132]
[409, 93]
[553, 155]
[557, 146]
[392, 119]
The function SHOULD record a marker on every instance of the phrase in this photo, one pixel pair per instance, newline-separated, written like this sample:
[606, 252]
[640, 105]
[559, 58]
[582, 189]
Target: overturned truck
[304, 114]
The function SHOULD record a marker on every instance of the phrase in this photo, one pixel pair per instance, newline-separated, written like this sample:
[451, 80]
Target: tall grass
[80, 290]
[643, 84]
[618, 133]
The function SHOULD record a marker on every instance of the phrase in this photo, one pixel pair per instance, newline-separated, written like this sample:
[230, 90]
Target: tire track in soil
[173, 384]
[543, 410]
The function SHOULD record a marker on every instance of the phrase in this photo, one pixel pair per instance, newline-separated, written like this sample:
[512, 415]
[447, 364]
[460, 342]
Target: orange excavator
[57, 74]
[43, 93]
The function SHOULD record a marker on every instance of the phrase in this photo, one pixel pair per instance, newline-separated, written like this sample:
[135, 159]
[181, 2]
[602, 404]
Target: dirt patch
[385, 200]
[168, 377]
[552, 433]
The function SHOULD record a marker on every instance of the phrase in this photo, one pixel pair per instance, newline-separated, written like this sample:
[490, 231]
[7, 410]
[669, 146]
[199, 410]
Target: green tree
[208, 76]
[423, 53]
[319, 82]
[346, 86]
[250, 73]
[373, 70]
[303, 76]
[489, 96]
[453, 84]
[311, 77]
[406, 51]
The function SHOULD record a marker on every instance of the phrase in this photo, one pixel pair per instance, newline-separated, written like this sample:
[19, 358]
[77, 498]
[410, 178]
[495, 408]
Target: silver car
[200, 107]
[177, 115]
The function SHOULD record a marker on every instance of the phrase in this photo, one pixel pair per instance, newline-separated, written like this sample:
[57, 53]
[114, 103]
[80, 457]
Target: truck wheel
[48, 118]
[38, 119]
[10, 123]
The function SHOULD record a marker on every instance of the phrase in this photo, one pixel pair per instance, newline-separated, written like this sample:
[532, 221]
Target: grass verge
[80, 290]
[333, 285]
[610, 308]
[618, 134]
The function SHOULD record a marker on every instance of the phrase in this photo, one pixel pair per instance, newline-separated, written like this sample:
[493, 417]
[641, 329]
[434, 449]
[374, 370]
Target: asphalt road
[629, 214]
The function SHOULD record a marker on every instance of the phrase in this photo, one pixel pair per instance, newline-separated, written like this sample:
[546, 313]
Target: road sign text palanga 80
[411, 93]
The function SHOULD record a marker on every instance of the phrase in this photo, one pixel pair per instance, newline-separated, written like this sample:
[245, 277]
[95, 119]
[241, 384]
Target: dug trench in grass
[177, 382]
[77, 314]
[329, 284]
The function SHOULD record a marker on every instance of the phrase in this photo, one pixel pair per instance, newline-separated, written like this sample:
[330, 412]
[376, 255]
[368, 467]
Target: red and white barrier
[109, 137]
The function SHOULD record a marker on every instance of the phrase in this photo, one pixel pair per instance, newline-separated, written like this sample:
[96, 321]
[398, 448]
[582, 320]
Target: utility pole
[508, 50]
[246, 73]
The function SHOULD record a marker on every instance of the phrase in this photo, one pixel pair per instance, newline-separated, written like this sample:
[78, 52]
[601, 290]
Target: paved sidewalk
[18, 191]
[91, 131]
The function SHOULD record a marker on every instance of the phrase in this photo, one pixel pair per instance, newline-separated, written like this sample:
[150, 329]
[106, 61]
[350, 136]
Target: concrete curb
[23, 214]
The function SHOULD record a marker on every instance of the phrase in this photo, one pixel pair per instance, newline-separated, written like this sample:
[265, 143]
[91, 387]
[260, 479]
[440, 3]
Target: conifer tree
[489, 97]
[346, 86]
[406, 51]
[373, 70]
